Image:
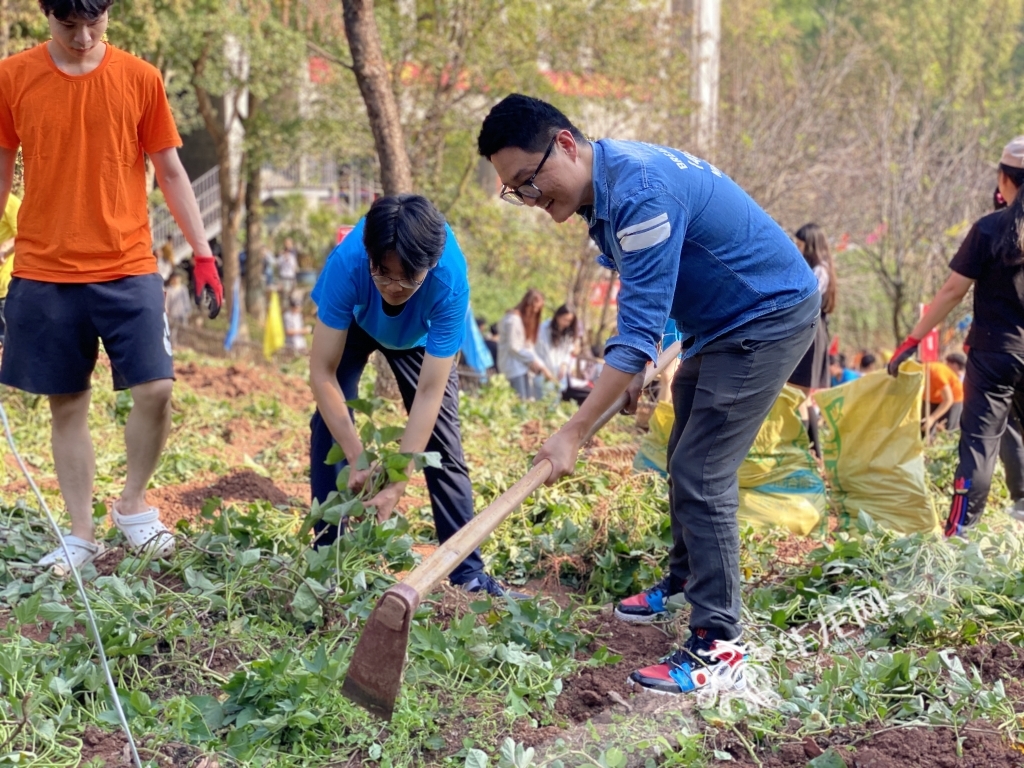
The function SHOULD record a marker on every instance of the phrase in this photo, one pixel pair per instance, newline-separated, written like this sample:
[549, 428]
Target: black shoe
[492, 587]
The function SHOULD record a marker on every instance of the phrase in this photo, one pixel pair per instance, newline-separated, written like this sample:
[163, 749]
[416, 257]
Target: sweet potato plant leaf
[334, 455]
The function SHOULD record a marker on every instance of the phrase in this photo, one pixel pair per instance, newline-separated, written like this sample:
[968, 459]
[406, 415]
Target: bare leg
[74, 458]
[144, 437]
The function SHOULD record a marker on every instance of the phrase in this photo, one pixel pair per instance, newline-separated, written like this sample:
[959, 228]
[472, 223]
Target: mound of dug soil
[593, 690]
[184, 502]
[241, 380]
[983, 747]
[995, 661]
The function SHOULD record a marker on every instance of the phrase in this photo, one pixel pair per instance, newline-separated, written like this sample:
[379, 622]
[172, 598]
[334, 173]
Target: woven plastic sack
[874, 454]
[779, 483]
[653, 453]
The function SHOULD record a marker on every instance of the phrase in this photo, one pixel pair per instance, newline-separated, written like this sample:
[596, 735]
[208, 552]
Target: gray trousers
[721, 397]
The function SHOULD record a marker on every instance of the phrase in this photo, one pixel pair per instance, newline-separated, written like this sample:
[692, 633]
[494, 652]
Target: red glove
[904, 352]
[207, 280]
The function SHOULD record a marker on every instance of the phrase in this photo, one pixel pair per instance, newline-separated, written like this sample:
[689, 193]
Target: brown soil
[983, 747]
[532, 435]
[241, 380]
[111, 749]
[184, 502]
[39, 632]
[587, 693]
[995, 662]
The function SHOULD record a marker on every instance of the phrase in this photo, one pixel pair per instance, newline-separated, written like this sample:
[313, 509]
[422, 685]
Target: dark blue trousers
[451, 492]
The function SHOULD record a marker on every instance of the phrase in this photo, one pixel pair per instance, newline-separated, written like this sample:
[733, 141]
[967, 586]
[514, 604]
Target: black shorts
[54, 330]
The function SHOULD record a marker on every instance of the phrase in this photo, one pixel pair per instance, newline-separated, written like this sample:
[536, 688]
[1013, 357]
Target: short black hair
[62, 10]
[867, 359]
[522, 122]
[411, 226]
[957, 358]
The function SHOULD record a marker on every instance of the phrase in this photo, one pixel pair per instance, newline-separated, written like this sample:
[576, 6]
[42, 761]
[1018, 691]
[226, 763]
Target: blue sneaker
[493, 587]
[695, 665]
[649, 605]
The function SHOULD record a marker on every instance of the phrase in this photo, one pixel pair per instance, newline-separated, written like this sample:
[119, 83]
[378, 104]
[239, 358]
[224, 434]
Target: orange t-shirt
[84, 218]
[939, 375]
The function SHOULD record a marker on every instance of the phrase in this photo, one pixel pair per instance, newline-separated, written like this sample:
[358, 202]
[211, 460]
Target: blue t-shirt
[845, 377]
[433, 317]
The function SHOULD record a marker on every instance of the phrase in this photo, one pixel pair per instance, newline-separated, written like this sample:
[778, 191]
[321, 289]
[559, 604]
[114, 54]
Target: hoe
[374, 676]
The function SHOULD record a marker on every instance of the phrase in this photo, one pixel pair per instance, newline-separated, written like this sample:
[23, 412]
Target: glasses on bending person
[383, 281]
[527, 190]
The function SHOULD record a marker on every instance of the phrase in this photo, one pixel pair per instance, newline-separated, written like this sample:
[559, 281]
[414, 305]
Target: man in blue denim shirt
[692, 246]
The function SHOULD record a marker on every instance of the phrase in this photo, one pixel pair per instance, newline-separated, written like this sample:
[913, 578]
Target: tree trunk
[375, 86]
[230, 218]
[5, 28]
[255, 303]
[230, 197]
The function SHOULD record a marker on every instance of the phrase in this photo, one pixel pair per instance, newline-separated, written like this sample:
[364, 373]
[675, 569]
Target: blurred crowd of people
[542, 357]
[281, 273]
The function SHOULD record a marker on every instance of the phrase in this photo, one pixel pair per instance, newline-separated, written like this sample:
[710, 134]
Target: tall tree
[375, 85]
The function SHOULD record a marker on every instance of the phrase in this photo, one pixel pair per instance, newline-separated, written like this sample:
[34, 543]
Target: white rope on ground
[81, 589]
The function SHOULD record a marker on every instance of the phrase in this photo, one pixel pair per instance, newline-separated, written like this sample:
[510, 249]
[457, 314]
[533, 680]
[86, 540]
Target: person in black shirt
[991, 259]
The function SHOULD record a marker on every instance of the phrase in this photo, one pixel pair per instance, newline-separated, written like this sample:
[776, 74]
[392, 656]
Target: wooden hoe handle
[425, 577]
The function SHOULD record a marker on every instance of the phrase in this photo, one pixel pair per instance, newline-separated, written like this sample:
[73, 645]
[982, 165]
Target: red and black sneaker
[649, 605]
[694, 666]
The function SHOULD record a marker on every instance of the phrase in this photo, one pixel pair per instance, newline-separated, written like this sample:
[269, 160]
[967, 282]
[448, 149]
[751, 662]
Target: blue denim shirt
[689, 245]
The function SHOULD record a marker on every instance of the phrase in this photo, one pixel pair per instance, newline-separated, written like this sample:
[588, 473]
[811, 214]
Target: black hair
[817, 253]
[839, 360]
[570, 331]
[867, 360]
[411, 226]
[62, 10]
[522, 122]
[1009, 243]
[957, 358]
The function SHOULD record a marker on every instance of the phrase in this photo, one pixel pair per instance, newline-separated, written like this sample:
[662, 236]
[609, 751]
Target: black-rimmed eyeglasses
[383, 281]
[527, 190]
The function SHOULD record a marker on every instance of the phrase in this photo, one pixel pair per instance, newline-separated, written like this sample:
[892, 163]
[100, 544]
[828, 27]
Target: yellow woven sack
[874, 454]
[653, 453]
[779, 482]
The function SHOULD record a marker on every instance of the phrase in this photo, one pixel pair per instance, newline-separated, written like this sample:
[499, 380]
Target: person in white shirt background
[556, 343]
[517, 339]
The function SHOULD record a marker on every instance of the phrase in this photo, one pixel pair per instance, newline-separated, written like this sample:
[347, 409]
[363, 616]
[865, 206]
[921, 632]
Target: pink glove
[905, 351]
[208, 280]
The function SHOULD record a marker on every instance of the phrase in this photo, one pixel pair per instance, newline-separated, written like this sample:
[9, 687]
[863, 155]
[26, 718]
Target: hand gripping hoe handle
[374, 677]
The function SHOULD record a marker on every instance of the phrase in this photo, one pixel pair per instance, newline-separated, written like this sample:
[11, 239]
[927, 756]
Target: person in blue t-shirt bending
[396, 284]
[692, 246]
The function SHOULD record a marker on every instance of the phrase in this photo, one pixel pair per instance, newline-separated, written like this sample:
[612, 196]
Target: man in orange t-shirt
[946, 397]
[84, 113]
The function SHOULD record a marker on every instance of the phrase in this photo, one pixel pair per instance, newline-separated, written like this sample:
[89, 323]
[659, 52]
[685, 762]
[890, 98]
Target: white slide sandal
[80, 550]
[145, 531]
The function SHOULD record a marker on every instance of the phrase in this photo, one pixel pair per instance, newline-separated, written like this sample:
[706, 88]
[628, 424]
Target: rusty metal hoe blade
[374, 677]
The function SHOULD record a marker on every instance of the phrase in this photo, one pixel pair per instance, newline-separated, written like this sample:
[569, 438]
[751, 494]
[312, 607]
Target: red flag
[929, 349]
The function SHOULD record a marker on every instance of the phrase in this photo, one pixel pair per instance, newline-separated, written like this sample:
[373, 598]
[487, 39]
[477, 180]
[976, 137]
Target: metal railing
[308, 172]
[305, 173]
[162, 223]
